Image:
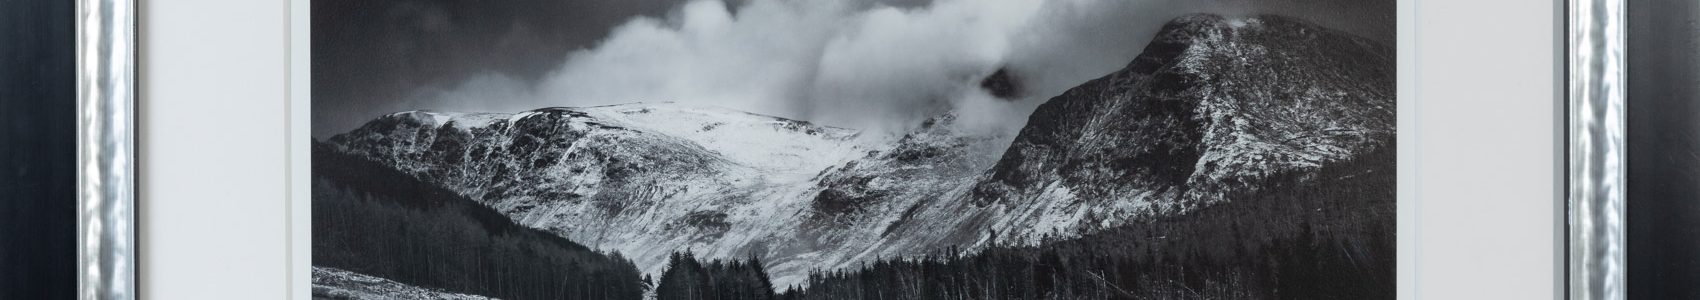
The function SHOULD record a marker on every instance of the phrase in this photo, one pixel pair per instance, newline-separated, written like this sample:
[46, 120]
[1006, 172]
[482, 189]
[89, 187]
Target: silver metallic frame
[106, 147]
[1595, 149]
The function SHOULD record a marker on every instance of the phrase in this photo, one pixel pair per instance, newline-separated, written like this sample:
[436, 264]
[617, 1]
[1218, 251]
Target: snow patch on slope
[333, 283]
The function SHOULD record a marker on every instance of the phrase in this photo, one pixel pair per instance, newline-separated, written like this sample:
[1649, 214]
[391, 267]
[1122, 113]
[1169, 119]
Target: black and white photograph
[853, 149]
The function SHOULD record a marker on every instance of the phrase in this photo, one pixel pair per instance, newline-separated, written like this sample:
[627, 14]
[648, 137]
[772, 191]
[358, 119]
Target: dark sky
[371, 58]
[369, 54]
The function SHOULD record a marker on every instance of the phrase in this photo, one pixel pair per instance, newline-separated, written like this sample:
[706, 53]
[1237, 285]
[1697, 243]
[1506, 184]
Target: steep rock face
[860, 209]
[1213, 105]
[936, 153]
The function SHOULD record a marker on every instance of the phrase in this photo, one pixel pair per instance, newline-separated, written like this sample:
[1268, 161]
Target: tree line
[370, 219]
[689, 278]
[1322, 235]
[1317, 235]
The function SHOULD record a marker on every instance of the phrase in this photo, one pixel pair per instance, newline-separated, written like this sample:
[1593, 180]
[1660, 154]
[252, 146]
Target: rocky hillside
[1213, 104]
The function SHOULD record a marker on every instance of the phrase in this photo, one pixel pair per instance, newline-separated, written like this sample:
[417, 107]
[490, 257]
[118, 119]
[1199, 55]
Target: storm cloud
[369, 57]
[879, 66]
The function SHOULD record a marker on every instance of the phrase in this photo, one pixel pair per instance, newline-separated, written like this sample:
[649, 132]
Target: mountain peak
[1212, 102]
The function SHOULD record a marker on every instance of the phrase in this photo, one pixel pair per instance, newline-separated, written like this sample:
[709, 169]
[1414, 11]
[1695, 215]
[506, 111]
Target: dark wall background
[1664, 149]
[37, 150]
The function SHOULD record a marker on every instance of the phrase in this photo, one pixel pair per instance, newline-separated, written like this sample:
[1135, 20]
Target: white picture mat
[1487, 154]
[211, 148]
[224, 149]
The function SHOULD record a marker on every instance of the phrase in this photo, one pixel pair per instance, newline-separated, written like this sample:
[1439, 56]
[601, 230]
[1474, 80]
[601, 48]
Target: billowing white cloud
[845, 63]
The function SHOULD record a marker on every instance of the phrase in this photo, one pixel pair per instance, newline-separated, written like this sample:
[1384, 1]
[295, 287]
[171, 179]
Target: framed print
[769, 149]
[66, 150]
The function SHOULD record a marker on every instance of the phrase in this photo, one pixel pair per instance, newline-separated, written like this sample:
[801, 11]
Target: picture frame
[1591, 209]
[1595, 144]
[106, 149]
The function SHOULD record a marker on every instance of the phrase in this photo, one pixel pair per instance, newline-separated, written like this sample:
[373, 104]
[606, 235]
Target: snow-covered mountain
[641, 179]
[1213, 106]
